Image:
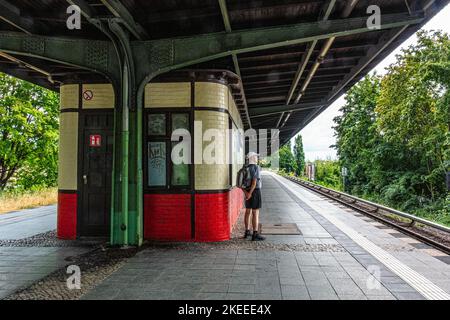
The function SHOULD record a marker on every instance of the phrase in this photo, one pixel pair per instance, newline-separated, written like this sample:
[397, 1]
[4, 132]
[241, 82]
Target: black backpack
[243, 179]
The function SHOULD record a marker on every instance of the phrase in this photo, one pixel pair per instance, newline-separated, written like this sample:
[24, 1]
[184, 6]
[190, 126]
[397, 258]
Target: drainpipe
[139, 159]
[126, 84]
[323, 52]
[125, 151]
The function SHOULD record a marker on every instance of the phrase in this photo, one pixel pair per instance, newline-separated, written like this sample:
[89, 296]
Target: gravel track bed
[240, 244]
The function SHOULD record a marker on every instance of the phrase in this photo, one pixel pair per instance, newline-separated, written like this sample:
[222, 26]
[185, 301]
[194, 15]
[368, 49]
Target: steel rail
[338, 196]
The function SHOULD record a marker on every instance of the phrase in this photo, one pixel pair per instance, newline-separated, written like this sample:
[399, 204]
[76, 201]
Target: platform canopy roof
[284, 86]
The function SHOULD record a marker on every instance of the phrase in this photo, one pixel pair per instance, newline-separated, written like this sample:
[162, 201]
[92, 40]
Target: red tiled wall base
[167, 216]
[236, 204]
[67, 216]
[212, 222]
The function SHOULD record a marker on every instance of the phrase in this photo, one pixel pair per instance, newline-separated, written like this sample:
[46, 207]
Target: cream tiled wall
[206, 95]
[167, 95]
[68, 151]
[103, 96]
[68, 97]
[212, 176]
[212, 95]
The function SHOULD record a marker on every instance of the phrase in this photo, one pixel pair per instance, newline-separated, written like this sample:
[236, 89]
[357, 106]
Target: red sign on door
[95, 140]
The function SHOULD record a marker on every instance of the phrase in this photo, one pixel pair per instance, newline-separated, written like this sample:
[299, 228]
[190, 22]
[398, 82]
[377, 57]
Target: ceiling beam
[255, 89]
[121, 12]
[164, 55]
[320, 73]
[201, 48]
[182, 14]
[85, 9]
[73, 52]
[271, 98]
[226, 22]
[329, 5]
[287, 66]
[384, 42]
[325, 47]
[327, 9]
[28, 66]
[12, 15]
[25, 75]
[380, 51]
[324, 15]
[270, 57]
[273, 110]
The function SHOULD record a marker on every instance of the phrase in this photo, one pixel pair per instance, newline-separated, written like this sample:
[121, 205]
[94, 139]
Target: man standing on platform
[253, 197]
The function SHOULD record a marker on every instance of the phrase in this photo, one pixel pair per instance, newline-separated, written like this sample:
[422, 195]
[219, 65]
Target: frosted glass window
[156, 164]
[156, 124]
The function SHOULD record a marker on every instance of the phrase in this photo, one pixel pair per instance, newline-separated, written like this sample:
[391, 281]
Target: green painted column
[126, 212]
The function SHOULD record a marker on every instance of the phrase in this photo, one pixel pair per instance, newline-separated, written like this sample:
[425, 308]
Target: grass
[29, 199]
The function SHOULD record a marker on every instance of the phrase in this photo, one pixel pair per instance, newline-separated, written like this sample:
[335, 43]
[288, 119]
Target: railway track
[433, 234]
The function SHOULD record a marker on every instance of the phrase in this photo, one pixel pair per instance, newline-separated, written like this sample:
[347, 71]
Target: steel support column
[124, 211]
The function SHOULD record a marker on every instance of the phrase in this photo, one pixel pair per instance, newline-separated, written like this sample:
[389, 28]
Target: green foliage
[328, 174]
[299, 155]
[393, 134]
[357, 140]
[287, 160]
[28, 135]
[265, 162]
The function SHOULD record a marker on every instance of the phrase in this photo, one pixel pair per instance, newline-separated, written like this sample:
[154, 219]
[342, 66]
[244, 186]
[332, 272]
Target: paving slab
[26, 223]
[22, 264]
[325, 263]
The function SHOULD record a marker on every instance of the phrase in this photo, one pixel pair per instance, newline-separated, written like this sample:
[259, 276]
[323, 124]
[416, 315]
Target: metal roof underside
[284, 87]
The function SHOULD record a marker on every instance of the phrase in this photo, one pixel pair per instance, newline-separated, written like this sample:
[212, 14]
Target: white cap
[252, 154]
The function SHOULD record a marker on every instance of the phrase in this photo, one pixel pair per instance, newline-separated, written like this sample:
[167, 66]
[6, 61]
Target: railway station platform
[339, 254]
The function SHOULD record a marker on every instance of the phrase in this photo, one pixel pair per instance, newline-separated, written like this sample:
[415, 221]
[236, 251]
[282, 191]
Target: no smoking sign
[88, 95]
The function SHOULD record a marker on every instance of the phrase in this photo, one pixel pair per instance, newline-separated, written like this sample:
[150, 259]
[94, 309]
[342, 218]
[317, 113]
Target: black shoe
[257, 237]
[247, 234]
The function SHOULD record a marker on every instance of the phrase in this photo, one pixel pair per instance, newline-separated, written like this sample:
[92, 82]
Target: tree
[287, 161]
[357, 139]
[299, 155]
[393, 134]
[413, 111]
[28, 134]
[328, 174]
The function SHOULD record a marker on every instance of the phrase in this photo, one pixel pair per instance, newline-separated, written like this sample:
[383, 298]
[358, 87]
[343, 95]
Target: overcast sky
[318, 135]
